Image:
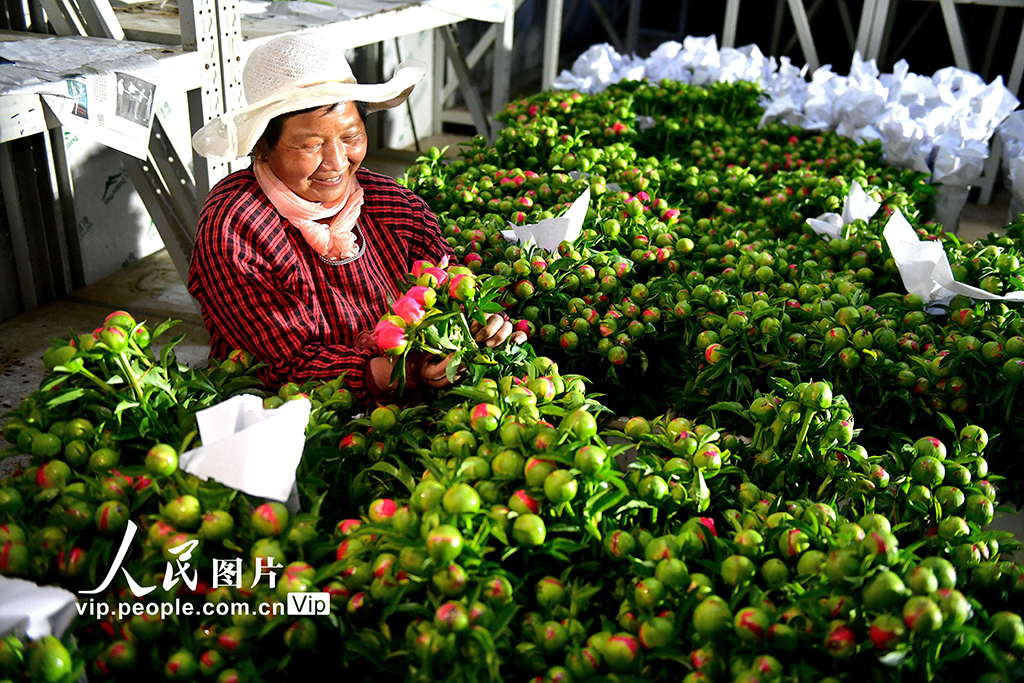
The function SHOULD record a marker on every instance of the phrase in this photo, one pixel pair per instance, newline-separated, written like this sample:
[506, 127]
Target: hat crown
[292, 61]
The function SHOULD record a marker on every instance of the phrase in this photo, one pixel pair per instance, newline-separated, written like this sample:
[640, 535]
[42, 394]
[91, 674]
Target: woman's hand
[496, 331]
[421, 369]
[435, 375]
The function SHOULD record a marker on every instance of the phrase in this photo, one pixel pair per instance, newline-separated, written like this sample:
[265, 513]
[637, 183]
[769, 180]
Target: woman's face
[318, 152]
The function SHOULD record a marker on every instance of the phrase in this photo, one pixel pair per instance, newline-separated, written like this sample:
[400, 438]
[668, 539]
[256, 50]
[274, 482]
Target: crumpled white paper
[550, 232]
[249, 448]
[27, 609]
[644, 123]
[924, 267]
[949, 203]
[939, 124]
[597, 68]
[1012, 133]
[958, 161]
[857, 206]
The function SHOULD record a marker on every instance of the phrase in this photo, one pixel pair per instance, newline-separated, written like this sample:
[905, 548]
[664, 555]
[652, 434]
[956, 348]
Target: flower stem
[808, 416]
[750, 351]
[464, 324]
[122, 360]
[96, 380]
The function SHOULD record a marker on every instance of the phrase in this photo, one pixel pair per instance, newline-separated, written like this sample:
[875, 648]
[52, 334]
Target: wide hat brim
[232, 135]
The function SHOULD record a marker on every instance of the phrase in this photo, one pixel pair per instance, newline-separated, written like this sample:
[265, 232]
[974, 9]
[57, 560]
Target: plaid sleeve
[409, 216]
[244, 274]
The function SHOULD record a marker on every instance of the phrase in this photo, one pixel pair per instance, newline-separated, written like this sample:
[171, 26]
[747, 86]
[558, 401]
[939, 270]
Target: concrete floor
[978, 221]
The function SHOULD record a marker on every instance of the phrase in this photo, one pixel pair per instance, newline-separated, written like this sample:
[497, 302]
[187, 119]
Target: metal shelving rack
[207, 44]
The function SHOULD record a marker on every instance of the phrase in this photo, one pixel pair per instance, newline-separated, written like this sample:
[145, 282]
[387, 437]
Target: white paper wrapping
[249, 448]
[857, 206]
[611, 187]
[550, 232]
[939, 124]
[924, 267]
[27, 609]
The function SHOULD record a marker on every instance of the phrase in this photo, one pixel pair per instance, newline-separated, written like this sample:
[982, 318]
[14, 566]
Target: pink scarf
[332, 240]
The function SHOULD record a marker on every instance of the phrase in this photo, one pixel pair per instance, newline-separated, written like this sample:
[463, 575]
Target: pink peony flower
[424, 296]
[709, 523]
[438, 275]
[390, 337]
[408, 309]
[461, 287]
[419, 266]
[483, 410]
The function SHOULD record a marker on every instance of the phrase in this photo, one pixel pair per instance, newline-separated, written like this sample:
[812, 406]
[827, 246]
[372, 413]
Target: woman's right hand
[435, 374]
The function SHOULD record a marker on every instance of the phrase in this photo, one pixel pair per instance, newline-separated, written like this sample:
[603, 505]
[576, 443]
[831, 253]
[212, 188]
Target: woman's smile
[319, 152]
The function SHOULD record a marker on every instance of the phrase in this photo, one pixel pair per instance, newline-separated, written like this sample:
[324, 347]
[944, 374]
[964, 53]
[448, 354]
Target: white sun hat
[292, 73]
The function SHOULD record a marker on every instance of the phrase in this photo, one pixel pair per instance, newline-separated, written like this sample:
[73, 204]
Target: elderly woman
[297, 256]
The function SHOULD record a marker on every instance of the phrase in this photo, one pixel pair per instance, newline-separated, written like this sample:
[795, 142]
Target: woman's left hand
[496, 331]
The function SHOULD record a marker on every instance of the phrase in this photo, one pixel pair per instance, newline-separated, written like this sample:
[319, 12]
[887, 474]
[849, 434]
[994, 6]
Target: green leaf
[53, 383]
[163, 327]
[387, 468]
[66, 397]
[123, 406]
[167, 352]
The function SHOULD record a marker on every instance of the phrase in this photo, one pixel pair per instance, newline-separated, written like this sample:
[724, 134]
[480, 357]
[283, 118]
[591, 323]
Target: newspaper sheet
[97, 88]
[115, 109]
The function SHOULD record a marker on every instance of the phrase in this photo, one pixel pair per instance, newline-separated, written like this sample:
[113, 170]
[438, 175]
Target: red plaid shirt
[263, 289]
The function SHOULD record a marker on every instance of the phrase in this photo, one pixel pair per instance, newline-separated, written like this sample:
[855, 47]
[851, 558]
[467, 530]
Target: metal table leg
[552, 43]
[502, 75]
[633, 25]
[803, 30]
[469, 91]
[867, 15]
[19, 236]
[956, 36]
[732, 17]
[877, 30]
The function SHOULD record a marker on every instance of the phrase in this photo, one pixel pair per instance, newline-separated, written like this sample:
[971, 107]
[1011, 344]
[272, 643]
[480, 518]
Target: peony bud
[408, 309]
[419, 266]
[390, 337]
[462, 287]
[424, 296]
[432, 277]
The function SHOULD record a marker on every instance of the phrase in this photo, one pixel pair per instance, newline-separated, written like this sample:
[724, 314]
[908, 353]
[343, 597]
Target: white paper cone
[858, 206]
[550, 232]
[27, 609]
[248, 448]
[924, 267]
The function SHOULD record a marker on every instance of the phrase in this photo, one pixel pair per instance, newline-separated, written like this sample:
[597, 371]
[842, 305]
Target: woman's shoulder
[236, 200]
[233, 187]
[237, 212]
